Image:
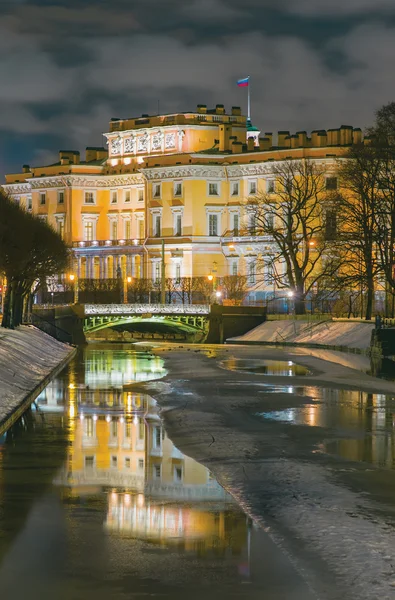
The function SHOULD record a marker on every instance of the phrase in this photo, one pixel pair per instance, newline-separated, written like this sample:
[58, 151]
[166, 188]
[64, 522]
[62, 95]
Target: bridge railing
[142, 309]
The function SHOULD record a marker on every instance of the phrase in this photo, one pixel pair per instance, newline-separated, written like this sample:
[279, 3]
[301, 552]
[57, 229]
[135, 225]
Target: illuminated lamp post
[74, 279]
[126, 281]
[290, 295]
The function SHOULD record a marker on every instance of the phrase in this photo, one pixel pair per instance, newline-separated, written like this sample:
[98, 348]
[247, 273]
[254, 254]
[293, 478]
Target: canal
[96, 502]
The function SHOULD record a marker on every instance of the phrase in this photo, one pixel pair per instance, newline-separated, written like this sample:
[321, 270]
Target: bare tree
[235, 287]
[298, 217]
[359, 205]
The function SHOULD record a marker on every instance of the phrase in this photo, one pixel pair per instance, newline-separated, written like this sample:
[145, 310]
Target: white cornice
[184, 171]
[17, 188]
[75, 181]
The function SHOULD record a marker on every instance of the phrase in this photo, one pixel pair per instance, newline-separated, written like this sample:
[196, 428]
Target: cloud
[337, 7]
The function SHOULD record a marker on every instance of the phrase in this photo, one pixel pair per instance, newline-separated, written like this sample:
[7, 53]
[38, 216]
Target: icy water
[265, 367]
[362, 424]
[97, 503]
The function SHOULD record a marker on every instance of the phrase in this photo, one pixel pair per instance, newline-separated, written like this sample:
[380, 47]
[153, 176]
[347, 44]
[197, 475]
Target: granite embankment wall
[29, 359]
[338, 335]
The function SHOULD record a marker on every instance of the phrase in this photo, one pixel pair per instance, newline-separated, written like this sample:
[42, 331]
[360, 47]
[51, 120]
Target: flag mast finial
[249, 101]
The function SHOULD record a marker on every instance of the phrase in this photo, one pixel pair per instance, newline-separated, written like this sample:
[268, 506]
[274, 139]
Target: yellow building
[182, 179]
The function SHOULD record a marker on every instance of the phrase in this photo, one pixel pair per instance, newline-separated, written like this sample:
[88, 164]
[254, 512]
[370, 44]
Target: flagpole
[249, 101]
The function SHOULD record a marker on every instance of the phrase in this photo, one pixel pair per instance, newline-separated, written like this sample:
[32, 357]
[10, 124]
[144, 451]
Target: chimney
[294, 141]
[269, 136]
[333, 137]
[202, 109]
[302, 137]
[282, 135]
[219, 109]
[72, 155]
[95, 153]
[26, 169]
[318, 138]
[357, 136]
[236, 111]
[264, 143]
[251, 144]
[237, 148]
[346, 133]
[224, 134]
[64, 161]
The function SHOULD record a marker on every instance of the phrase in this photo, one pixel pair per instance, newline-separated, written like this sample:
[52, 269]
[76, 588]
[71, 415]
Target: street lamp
[126, 281]
[290, 295]
[74, 279]
[218, 295]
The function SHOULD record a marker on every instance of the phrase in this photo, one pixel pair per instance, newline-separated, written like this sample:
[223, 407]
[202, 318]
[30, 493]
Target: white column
[78, 266]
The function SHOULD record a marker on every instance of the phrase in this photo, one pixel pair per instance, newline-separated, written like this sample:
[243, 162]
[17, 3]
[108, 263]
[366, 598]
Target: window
[157, 437]
[141, 229]
[127, 195]
[177, 473]
[157, 225]
[213, 224]
[89, 427]
[213, 189]
[331, 183]
[251, 223]
[251, 273]
[178, 273]
[114, 197]
[127, 463]
[88, 231]
[140, 196]
[114, 462]
[128, 429]
[61, 197]
[270, 186]
[114, 428]
[42, 198]
[156, 190]
[252, 188]
[177, 188]
[114, 230]
[141, 464]
[234, 269]
[128, 229]
[29, 204]
[89, 462]
[235, 188]
[157, 471]
[268, 273]
[157, 272]
[61, 228]
[89, 198]
[270, 220]
[178, 227]
[330, 224]
[235, 224]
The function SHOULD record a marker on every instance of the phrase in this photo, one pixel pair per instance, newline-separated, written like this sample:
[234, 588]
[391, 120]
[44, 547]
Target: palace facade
[175, 184]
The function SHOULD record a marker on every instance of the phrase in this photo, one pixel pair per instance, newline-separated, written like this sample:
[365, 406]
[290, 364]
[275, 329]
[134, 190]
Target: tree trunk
[6, 322]
[369, 299]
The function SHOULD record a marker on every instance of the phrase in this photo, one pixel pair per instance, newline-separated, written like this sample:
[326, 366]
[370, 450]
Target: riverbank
[29, 359]
[348, 336]
[269, 439]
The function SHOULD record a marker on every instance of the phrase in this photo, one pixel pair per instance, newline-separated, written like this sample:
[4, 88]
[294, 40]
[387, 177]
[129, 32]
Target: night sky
[66, 68]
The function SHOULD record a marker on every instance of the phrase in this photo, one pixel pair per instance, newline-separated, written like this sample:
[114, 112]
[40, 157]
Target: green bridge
[203, 323]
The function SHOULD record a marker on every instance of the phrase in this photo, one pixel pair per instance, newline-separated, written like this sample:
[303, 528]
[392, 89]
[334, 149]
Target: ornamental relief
[170, 141]
[129, 145]
[142, 143]
[157, 141]
[182, 172]
[115, 146]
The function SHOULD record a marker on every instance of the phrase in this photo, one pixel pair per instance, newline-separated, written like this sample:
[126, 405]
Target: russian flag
[243, 82]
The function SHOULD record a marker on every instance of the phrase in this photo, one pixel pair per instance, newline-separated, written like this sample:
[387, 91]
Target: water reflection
[365, 422]
[265, 367]
[116, 479]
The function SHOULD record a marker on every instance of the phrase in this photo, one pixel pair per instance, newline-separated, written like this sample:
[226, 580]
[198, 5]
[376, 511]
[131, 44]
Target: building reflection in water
[118, 446]
[365, 422]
